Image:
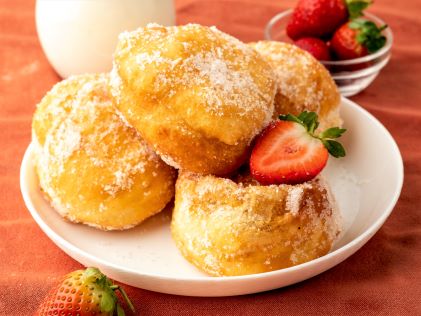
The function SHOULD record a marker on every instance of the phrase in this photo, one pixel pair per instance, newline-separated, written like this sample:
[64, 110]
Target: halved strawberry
[289, 152]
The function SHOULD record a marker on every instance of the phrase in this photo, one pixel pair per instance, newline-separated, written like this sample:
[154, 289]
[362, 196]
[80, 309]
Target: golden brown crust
[227, 228]
[303, 82]
[197, 95]
[92, 166]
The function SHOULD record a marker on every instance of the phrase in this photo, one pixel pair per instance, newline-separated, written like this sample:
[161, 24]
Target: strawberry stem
[124, 294]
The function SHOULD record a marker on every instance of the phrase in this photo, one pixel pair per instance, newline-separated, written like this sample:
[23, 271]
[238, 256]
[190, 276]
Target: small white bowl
[351, 76]
[366, 183]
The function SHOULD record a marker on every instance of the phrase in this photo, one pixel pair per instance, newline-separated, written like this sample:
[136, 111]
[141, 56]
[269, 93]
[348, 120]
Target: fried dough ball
[303, 83]
[228, 228]
[196, 94]
[93, 167]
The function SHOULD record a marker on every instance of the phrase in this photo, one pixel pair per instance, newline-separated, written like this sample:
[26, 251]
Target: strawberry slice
[288, 151]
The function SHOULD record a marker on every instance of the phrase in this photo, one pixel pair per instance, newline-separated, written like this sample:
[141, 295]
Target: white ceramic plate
[366, 183]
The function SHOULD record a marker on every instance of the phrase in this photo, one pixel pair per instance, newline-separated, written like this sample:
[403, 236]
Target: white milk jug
[79, 36]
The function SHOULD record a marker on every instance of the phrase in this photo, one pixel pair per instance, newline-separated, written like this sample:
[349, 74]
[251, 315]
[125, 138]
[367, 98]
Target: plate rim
[358, 241]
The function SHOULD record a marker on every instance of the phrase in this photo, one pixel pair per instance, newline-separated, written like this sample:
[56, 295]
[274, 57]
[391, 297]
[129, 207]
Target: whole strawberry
[315, 47]
[316, 18]
[357, 38]
[289, 152]
[84, 292]
[320, 18]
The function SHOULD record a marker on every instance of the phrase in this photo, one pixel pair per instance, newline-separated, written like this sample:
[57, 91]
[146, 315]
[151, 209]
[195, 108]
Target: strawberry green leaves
[369, 34]
[310, 121]
[356, 7]
[120, 311]
[333, 132]
[109, 300]
[307, 119]
[334, 148]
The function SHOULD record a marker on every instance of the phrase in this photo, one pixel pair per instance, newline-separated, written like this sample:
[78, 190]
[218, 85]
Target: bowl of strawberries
[352, 44]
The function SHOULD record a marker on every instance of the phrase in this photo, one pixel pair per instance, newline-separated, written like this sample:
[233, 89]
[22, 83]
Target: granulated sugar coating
[92, 166]
[196, 94]
[227, 227]
[303, 83]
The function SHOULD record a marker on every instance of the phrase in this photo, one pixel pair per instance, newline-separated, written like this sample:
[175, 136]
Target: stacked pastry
[93, 167]
[190, 98]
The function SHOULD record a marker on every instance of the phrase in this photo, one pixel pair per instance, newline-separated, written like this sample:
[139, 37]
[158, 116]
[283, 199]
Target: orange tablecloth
[383, 278]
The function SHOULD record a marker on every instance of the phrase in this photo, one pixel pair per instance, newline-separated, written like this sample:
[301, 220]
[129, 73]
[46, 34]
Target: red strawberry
[316, 18]
[357, 38]
[289, 152]
[84, 292]
[314, 46]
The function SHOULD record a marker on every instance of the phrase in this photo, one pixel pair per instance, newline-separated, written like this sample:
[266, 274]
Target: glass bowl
[351, 76]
